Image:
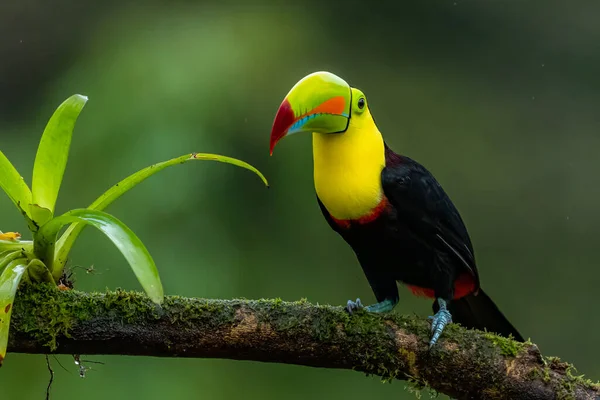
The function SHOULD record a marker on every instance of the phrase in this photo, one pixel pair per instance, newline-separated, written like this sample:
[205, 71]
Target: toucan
[390, 209]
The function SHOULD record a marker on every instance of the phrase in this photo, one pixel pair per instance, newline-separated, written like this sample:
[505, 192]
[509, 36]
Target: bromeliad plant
[43, 259]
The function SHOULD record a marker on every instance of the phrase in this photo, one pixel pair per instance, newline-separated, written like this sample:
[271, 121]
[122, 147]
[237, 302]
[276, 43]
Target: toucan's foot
[12, 236]
[439, 321]
[384, 306]
[352, 306]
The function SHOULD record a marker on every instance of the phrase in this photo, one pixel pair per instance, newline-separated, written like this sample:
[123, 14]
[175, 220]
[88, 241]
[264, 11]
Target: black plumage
[418, 238]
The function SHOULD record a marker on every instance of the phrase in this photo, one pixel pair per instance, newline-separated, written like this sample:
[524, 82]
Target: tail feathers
[480, 312]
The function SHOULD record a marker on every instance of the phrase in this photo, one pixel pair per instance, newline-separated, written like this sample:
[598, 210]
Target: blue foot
[352, 306]
[439, 321]
[384, 306]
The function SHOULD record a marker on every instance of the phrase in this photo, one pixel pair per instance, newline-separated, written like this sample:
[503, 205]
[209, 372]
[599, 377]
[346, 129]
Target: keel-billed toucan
[390, 209]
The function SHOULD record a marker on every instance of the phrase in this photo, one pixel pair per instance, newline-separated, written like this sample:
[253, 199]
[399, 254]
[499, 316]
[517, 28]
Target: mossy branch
[465, 364]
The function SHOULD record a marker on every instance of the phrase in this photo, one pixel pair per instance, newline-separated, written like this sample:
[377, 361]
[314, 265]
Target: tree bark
[464, 364]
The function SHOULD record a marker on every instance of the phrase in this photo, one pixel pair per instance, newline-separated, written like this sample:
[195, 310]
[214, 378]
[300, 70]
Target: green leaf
[38, 272]
[126, 241]
[68, 238]
[14, 186]
[9, 281]
[133, 180]
[52, 155]
[26, 245]
[8, 256]
[39, 214]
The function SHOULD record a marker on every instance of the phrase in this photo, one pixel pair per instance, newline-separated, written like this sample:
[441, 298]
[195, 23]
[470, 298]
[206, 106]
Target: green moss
[417, 387]
[568, 385]
[52, 315]
[572, 380]
[277, 302]
[410, 357]
[508, 347]
[55, 312]
[188, 311]
[131, 306]
[326, 323]
[376, 342]
[546, 374]
[280, 315]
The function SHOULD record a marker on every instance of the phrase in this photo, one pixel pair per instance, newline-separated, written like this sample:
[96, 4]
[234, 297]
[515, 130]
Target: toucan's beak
[319, 102]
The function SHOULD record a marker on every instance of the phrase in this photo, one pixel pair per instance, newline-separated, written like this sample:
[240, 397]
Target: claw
[352, 306]
[439, 321]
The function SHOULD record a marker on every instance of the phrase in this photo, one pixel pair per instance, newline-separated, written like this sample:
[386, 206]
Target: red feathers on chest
[372, 216]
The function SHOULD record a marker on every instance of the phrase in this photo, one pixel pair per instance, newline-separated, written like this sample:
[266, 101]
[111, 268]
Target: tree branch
[465, 364]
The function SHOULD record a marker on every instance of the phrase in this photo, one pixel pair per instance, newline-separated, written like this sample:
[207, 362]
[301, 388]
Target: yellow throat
[347, 168]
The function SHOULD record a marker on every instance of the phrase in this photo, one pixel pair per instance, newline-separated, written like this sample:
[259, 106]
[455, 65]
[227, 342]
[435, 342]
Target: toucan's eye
[361, 103]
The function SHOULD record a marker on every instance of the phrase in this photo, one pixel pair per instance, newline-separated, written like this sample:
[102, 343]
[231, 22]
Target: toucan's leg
[383, 306]
[385, 290]
[439, 321]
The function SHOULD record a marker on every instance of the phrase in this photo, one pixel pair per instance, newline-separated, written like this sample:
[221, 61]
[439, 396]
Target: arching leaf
[126, 241]
[9, 282]
[68, 238]
[14, 186]
[52, 155]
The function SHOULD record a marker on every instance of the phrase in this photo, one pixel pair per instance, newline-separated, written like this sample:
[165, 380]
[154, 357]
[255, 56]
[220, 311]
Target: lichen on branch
[464, 364]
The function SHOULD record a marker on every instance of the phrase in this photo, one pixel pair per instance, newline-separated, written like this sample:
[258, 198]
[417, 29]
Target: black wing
[422, 204]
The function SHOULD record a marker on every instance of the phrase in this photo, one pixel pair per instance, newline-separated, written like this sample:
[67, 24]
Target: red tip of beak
[283, 120]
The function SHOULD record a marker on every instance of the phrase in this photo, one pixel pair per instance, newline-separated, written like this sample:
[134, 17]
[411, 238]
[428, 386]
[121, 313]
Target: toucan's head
[320, 102]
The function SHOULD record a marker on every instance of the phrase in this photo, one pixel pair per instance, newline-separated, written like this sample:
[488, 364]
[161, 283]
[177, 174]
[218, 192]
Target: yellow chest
[347, 170]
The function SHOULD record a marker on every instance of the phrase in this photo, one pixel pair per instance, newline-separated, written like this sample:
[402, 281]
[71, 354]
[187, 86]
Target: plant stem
[43, 247]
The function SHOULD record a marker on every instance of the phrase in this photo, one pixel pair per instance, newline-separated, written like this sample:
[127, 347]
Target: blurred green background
[499, 99]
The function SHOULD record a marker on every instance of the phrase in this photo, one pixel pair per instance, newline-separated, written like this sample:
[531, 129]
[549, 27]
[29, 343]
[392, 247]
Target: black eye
[361, 103]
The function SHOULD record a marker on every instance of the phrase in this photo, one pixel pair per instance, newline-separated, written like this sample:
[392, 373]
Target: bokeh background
[499, 99]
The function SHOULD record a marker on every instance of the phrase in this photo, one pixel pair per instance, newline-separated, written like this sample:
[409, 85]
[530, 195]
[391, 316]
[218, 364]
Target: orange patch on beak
[335, 105]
